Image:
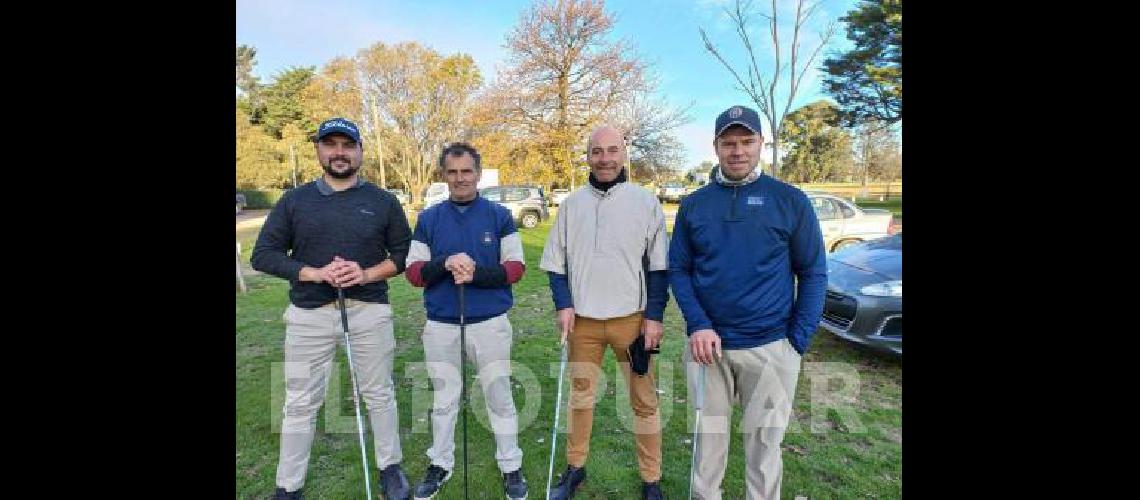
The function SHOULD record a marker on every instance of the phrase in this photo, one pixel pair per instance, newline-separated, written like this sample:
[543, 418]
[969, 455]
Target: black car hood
[870, 262]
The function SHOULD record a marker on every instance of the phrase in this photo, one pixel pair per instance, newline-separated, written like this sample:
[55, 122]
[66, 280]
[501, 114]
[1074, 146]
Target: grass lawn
[893, 204]
[835, 447]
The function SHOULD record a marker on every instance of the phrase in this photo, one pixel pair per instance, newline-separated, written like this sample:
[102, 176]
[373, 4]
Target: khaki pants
[762, 380]
[587, 346]
[489, 349]
[311, 338]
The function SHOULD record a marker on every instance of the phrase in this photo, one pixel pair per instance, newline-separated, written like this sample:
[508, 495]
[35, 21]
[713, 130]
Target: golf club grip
[343, 312]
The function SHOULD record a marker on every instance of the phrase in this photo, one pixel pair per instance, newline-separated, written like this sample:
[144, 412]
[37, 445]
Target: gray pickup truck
[844, 223]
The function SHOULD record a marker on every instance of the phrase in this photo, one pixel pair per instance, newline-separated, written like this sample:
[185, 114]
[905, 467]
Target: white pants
[311, 338]
[489, 349]
[762, 380]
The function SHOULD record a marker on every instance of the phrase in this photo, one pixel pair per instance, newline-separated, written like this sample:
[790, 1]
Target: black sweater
[312, 224]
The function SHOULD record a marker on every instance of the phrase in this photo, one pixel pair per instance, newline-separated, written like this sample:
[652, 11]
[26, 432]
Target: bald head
[605, 132]
[606, 153]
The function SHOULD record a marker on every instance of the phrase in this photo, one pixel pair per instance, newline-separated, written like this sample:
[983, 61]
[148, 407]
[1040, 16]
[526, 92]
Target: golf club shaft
[355, 391]
[554, 431]
[698, 404]
[463, 380]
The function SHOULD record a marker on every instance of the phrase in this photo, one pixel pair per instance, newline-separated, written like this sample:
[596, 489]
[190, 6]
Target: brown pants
[587, 346]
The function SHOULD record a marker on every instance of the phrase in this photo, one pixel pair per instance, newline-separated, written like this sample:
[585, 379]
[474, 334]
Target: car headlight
[885, 289]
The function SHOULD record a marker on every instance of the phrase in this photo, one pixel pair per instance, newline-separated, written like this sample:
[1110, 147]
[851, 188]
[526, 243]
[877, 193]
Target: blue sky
[309, 33]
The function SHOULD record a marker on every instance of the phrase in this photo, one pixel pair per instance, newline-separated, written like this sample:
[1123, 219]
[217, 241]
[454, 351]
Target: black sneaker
[394, 484]
[432, 482]
[514, 485]
[651, 491]
[568, 483]
[281, 494]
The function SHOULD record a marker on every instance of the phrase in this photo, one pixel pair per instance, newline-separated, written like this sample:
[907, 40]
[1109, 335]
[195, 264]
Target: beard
[340, 175]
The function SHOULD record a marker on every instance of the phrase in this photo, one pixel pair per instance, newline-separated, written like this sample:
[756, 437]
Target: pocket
[792, 347]
[504, 330]
[303, 321]
[380, 315]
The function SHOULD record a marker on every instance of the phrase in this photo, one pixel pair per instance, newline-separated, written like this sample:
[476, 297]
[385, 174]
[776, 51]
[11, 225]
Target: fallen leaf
[795, 449]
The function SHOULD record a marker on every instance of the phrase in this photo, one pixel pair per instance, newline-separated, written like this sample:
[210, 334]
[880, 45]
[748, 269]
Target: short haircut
[458, 149]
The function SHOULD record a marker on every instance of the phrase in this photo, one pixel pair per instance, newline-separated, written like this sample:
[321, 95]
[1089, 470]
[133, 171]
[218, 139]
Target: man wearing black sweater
[336, 232]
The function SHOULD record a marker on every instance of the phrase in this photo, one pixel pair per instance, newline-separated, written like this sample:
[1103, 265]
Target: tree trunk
[775, 154]
[293, 161]
[866, 165]
[379, 145]
[563, 123]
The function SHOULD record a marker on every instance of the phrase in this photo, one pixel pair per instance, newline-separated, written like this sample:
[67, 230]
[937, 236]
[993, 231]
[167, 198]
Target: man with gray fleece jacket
[606, 258]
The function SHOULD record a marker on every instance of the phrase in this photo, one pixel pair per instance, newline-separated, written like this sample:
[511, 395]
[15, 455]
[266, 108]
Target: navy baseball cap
[338, 125]
[738, 115]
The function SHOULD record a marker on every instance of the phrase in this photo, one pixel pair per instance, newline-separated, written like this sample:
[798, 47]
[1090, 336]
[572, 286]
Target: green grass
[247, 236]
[832, 450]
[892, 204]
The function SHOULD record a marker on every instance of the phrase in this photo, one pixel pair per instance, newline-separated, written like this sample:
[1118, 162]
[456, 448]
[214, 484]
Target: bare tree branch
[761, 91]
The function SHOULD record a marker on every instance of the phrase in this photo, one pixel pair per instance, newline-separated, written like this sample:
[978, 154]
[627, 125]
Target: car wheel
[529, 220]
[844, 243]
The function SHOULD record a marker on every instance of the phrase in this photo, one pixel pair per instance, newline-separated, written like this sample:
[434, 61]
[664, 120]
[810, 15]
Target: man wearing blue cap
[747, 268]
[336, 232]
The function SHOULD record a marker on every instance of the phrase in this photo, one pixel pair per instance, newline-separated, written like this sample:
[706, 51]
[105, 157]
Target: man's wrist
[308, 273]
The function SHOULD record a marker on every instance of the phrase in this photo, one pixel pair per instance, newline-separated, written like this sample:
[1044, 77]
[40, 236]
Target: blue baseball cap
[738, 115]
[338, 125]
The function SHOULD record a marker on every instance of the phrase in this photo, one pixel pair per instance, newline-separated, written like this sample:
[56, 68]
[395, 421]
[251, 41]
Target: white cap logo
[735, 112]
[339, 123]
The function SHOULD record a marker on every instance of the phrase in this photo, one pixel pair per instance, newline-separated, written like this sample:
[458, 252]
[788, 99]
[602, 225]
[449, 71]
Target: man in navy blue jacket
[468, 241]
[747, 267]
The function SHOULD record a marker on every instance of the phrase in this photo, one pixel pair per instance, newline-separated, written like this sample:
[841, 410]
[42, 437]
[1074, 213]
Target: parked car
[843, 223]
[557, 196]
[240, 202]
[671, 191]
[864, 294]
[526, 203]
[401, 195]
[435, 193]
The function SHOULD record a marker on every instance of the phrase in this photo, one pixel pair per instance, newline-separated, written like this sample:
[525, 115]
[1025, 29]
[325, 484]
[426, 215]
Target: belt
[347, 303]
